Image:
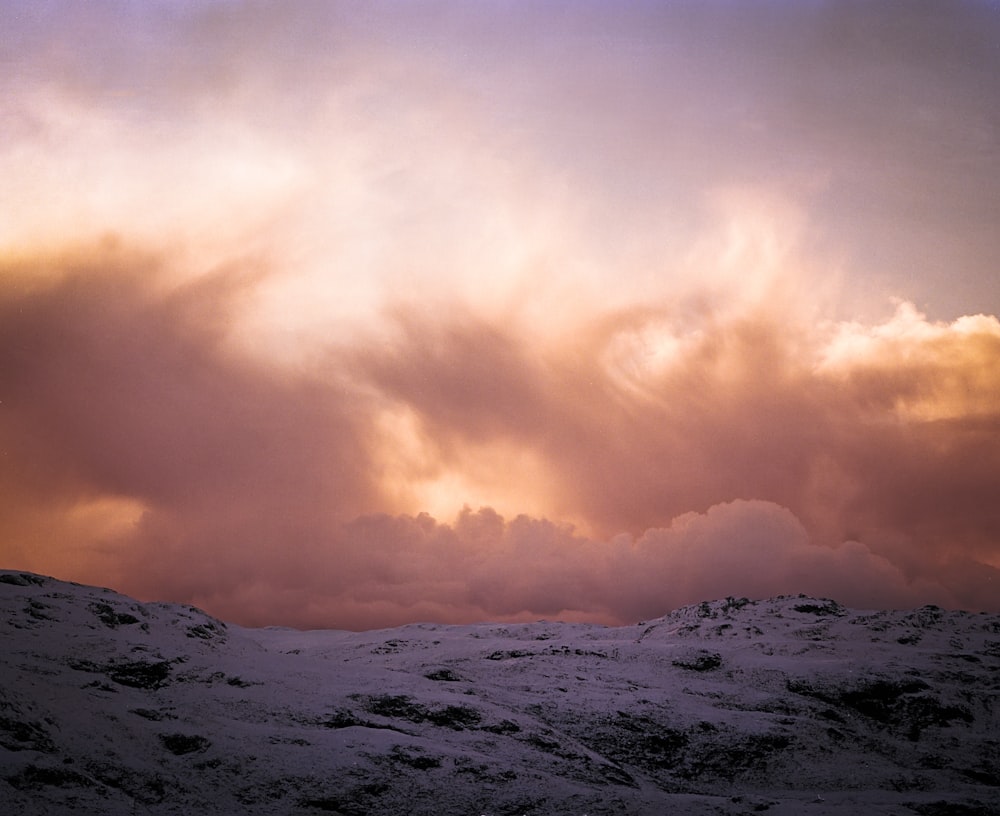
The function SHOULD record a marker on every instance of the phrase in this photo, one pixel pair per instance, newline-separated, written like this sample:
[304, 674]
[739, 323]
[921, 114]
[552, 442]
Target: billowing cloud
[285, 288]
[123, 406]
[143, 449]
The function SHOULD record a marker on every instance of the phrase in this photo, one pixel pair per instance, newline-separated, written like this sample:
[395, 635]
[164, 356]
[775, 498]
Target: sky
[343, 314]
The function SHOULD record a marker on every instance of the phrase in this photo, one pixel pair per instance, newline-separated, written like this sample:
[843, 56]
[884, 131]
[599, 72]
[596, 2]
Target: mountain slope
[788, 705]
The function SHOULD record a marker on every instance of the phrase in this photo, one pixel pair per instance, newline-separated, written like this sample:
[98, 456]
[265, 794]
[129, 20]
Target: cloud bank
[329, 318]
[668, 461]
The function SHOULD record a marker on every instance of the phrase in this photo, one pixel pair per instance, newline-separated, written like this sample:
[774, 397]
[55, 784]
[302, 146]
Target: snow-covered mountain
[789, 705]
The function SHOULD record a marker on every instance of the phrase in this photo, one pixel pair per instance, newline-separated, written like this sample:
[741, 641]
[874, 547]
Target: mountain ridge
[732, 706]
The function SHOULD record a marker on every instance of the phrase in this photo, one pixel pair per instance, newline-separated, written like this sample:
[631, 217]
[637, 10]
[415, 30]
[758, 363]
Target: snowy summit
[791, 705]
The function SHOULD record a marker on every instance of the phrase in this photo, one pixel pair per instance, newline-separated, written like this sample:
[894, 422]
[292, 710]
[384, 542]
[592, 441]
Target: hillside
[781, 706]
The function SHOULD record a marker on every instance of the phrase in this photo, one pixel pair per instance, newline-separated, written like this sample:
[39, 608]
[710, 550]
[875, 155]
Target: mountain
[780, 706]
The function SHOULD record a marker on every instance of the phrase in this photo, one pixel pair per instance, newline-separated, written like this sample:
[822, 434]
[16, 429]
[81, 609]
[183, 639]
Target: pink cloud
[143, 449]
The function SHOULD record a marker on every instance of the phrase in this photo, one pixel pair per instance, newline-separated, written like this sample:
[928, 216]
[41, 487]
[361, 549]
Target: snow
[779, 706]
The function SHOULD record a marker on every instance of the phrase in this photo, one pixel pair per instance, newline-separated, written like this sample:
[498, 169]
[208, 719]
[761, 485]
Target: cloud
[881, 435]
[386, 570]
[120, 393]
[760, 549]
[281, 292]
[144, 448]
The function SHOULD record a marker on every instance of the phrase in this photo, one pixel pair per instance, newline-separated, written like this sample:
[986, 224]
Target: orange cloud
[143, 449]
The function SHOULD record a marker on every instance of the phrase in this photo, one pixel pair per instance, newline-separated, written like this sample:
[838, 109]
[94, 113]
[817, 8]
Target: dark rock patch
[107, 615]
[733, 758]
[701, 661]
[443, 675]
[146, 788]
[144, 674]
[984, 776]
[36, 610]
[456, 717]
[402, 707]
[20, 735]
[21, 579]
[207, 631]
[140, 673]
[36, 777]
[507, 654]
[414, 759]
[343, 718]
[180, 744]
[823, 608]
[152, 714]
[504, 727]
